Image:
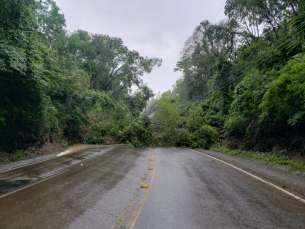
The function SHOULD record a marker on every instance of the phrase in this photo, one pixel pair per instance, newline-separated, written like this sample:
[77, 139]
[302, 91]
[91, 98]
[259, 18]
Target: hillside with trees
[61, 86]
[245, 76]
[242, 84]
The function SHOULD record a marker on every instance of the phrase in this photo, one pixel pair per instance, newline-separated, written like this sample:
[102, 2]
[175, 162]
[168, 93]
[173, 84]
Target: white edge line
[38, 182]
[58, 155]
[256, 177]
[18, 167]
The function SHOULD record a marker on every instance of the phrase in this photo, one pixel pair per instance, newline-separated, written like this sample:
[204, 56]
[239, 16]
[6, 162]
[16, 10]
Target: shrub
[137, 135]
[205, 137]
[236, 125]
[248, 95]
[283, 103]
[19, 155]
[64, 143]
[184, 138]
[195, 119]
[96, 134]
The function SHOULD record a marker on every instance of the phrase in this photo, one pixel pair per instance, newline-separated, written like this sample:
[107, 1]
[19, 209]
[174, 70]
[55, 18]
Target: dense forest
[242, 84]
[245, 77]
[61, 86]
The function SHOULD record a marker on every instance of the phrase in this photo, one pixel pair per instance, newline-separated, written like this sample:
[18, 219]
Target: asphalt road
[186, 190]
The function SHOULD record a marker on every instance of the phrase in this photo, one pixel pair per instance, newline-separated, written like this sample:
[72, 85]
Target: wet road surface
[187, 190]
[194, 191]
[11, 180]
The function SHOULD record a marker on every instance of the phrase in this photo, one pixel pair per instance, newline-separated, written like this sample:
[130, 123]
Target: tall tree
[21, 91]
[111, 66]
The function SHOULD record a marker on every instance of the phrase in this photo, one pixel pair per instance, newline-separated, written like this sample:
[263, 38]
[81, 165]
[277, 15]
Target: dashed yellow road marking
[127, 208]
[131, 202]
[137, 213]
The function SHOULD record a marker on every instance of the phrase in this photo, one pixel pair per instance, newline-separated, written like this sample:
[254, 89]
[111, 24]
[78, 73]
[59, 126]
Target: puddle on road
[12, 185]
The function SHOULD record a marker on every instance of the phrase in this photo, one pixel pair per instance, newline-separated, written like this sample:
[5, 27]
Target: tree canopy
[242, 81]
[59, 85]
[244, 74]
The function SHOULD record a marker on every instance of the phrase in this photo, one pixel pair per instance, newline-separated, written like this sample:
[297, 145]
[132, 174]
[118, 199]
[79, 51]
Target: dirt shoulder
[33, 152]
[282, 176]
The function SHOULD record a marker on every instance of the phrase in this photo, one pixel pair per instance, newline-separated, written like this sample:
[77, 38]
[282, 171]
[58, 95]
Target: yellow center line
[131, 202]
[137, 213]
[127, 208]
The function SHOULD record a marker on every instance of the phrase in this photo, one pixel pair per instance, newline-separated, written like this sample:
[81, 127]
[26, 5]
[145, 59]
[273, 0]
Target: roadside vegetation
[58, 86]
[245, 77]
[282, 158]
[242, 84]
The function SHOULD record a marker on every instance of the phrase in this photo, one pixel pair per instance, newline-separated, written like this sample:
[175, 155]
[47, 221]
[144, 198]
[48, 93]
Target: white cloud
[156, 28]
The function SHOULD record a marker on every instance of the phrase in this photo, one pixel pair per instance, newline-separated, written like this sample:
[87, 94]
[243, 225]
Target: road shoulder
[29, 161]
[282, 178]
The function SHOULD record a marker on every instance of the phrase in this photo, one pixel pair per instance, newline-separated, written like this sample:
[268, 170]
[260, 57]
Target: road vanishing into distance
[101, 188]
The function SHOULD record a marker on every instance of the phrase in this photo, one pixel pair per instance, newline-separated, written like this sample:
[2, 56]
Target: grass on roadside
[296, 162]
[14, 157]
[19, 155]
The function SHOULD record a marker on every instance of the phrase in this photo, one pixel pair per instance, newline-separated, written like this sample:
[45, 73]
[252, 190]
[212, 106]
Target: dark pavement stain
[9, 186]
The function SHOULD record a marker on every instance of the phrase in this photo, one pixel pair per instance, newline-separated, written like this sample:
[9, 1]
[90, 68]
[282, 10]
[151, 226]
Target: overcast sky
[155, 28]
